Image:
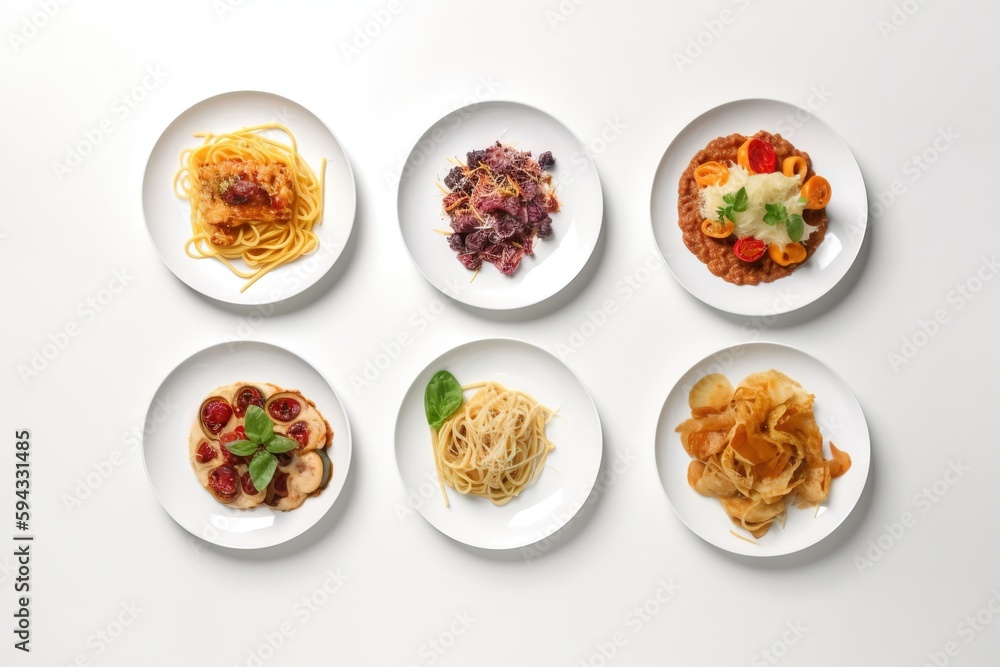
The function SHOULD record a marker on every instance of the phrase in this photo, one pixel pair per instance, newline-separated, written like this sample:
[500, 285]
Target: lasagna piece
[237, 192]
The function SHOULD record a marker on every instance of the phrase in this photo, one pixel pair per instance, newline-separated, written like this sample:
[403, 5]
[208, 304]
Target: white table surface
[405, 594]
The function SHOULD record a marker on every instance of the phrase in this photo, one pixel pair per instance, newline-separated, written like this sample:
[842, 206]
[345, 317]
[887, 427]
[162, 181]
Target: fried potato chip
[757, 447]
[712, 391]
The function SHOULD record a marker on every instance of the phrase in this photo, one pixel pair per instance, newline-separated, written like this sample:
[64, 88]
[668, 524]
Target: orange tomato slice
[795, 166]
[716, 229]
[743, 156]
[711, 173]
[816, 192]
[793, 253]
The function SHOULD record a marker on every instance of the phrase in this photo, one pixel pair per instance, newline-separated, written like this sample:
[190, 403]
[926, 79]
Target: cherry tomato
[299, 431]
[817, 192]
[284, 409]
[224, 483]
[717, 229]
[215, 414]
[245, 397]
[749, 249]
[247, 483]
[761, 157]
[205, 452]
[237, 434]
[280, 484]
[711, 173]
[793, 253]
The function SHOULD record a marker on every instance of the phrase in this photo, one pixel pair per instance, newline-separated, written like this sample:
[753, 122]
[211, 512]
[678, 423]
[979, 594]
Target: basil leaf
[729, 199]
[775, 213]
[262, 468]
[258, 425]
[796, 226]
[281, 444]
[242, 447]
[742, 201]
[442, 397]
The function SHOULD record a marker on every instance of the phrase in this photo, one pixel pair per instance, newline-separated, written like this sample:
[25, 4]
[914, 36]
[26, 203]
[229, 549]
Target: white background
[607, 64]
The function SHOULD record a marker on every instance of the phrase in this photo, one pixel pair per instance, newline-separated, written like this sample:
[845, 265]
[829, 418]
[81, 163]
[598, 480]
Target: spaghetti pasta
[253, 199]
[494, 445]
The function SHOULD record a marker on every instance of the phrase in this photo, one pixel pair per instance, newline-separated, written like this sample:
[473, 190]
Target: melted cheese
[761, 189]
[303, 477]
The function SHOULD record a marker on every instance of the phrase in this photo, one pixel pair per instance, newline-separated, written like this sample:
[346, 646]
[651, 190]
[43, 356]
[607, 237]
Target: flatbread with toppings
[280, 441]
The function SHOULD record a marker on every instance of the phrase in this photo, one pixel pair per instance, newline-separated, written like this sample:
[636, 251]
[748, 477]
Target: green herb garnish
[263, 443]
[777, 214]
[442, 397]
[736, 203]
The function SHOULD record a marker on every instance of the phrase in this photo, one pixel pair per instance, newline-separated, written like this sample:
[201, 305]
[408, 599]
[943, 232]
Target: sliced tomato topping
[215, 414]
[284, 409]
[245, 397]
[761, 157]
[205, 452]
[239, 433]
[247, 484]
[224, 483]
[280, 484]
[299, 431]
[749, 249]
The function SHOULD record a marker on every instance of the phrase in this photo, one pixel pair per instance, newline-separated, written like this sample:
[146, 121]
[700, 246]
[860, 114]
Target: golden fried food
[757, 448]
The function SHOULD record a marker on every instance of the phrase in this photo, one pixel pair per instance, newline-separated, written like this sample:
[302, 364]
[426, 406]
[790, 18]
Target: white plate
[847, 211]
[165, 444]
[168, 218]
[561, 488]
[839, 417]
[556, 260]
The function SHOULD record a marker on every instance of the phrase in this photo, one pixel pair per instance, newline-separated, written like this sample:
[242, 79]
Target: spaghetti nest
[494, 445]
[252, 198]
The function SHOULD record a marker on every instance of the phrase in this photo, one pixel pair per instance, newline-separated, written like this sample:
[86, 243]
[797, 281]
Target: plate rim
[175, 116]
[240, 343]
[854, 403]
[854, 164]
[585, 149]
[591, 404]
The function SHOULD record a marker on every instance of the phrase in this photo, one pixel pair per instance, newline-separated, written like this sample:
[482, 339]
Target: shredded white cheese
[761, 189]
